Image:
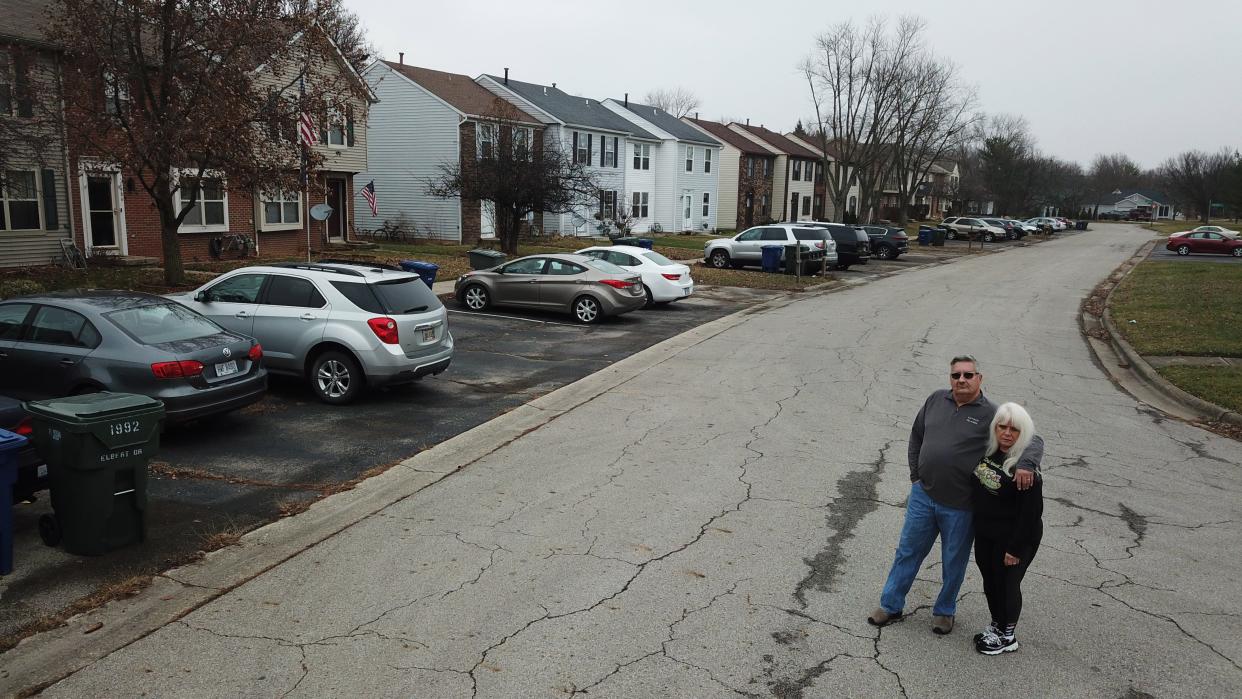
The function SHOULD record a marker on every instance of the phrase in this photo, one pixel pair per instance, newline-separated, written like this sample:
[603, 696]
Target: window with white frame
[750, 166]
[767, 167]
[763, 205]
[582, 148]
[610, 151]
[485, 141]
[810, 172]
[689, 158]
[523, 137]
[707, 160]
[638, 207]
[806, 206]
[797, 170]
[282, 208]
[707, 200]
[334, 135]
[608, 204]
[210, 211]
[116, 94]
[19, 202]
[642, 156]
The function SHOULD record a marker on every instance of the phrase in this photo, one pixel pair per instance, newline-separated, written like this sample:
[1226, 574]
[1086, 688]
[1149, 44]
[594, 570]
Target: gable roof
[460, 91]
[679, 129]
[726, 135]
[1111, 198]
[574, 111]
[778, 142]
[25, 20]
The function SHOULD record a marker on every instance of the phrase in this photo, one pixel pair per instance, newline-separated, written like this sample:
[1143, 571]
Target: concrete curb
[1193, 404]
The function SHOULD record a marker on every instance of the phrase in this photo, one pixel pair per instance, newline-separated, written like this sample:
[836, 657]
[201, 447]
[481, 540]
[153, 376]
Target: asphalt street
[1162, 254]
[721, 523]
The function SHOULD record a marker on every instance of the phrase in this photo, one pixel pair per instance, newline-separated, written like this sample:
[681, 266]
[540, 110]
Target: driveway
[720, 520]
[231, 473]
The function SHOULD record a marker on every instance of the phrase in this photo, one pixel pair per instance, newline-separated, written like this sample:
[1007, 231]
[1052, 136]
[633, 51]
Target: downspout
[785, 196]
[461, 231]
[64, 149]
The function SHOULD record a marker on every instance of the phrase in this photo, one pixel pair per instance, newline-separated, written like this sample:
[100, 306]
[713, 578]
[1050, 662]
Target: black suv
[887, 242]
[853, 244]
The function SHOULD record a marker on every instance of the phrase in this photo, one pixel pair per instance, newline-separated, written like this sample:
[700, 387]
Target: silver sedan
[586, 288]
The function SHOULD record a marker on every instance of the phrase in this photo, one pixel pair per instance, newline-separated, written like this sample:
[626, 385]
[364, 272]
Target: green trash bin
[938, 236]
[632, 241]
[96, 447]
[485, 259]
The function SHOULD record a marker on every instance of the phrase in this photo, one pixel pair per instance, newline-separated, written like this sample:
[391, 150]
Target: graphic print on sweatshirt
[989, 476]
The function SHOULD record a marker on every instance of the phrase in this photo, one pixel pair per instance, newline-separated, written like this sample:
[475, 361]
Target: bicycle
[70, 256]
[238, 244]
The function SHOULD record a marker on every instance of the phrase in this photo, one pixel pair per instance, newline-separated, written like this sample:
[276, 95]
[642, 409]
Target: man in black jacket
[947, 440]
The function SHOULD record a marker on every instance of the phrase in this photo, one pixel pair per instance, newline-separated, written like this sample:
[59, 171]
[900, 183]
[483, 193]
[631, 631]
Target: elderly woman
[1007, 526]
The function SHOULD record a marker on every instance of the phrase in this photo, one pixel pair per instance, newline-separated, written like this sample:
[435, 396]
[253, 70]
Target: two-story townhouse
[425, 120]
[793, 187]
[934, 195]
[822, 208]
[591, 134]
[683, 193]
[119, 220]
[747, 170]
[35, 207]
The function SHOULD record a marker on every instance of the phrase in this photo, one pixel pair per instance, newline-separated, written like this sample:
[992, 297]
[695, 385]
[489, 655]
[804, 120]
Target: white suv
[746, 248]
[342, 325]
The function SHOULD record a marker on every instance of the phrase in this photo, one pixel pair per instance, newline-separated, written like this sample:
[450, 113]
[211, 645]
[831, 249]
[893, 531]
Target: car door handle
[307, 316]
[241, 314]
[533, 281]
[68, 362]
[4, 355]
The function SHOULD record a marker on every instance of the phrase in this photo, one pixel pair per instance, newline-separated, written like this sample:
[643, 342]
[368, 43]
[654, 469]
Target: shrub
[19, 287]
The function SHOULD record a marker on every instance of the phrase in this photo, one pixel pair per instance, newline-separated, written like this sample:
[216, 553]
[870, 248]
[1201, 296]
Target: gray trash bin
[485, 259]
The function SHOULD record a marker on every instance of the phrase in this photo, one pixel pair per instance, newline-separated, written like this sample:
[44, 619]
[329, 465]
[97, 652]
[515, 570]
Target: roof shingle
[726, 135]
[779, 142]
[662, 119]
[460, 91]
[575, 111]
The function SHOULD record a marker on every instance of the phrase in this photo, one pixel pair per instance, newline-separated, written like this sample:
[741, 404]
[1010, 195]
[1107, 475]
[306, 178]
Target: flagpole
[302, 174]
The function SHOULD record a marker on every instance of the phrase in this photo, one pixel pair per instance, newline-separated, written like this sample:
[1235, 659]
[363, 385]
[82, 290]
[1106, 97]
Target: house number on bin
[120, 428]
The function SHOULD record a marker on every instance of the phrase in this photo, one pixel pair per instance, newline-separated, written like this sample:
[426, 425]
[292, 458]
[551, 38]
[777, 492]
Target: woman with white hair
[1008, 526]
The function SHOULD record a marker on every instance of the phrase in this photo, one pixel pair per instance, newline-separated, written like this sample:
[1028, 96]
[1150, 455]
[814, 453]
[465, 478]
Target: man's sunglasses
[968, 375]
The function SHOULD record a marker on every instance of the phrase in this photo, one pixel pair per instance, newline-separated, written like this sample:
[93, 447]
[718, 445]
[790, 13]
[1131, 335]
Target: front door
[103, 217]
[687, 209]
[750, 209]
[487, 219]
[793, 207]
[338, 201]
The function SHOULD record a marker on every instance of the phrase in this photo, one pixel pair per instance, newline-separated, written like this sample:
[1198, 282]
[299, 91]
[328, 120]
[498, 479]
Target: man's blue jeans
[925, 519]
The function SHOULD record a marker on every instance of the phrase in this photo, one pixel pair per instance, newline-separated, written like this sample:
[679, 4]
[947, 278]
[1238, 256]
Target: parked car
[31, 471]
[1011, 232]
[585, 287]
[971, 228]
[746, 248]
[1022, 228]
[1211, 229]
[1045, 222]
[887, 242]
[1205, 242]
[70, 342]
[342, 326]
[664, 281]
[853, 244]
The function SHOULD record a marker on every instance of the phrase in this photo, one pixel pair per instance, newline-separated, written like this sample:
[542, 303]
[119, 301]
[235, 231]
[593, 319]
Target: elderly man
[947, 441]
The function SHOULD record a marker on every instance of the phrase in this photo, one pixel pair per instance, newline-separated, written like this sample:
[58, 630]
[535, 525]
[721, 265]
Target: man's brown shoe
[881, 617]
[942, 625]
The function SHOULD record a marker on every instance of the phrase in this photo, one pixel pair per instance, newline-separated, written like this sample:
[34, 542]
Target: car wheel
[719, 259]
[476, 297]
[1236, 252]
[49, 530]
[884, 253]
[950, 234]
[843, 267]
[1183, 250]
[649, 295]
[586, 310]
[336, 378]
[988, 237]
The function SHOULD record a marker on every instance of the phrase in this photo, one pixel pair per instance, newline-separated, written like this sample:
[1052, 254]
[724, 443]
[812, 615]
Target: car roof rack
[318, 268]
[361, 263]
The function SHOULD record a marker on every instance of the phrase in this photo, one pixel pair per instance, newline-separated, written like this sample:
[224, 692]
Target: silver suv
[746, 248]
[341, 325]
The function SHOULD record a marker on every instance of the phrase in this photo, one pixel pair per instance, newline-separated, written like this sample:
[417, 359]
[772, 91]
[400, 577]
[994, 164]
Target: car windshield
[657, 258]
[605, 266]
[160, 323]
[409, 295]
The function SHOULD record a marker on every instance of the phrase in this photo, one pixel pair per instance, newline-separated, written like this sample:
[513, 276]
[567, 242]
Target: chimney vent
[627, 99]
[696, 115]
[748, 121]
[553, 86]
[401, 58]
[506, 76]
[545, 90]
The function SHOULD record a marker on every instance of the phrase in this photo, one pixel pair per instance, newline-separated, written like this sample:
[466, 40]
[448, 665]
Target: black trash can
[425, 270]
[1080, 225]
[96, 447]
[938, 236]
[632, 241]
[793, 258]
[485, 259]
[10, 444]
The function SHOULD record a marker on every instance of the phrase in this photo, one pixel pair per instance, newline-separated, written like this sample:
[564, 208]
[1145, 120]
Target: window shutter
[323, 129]
[25, 107]
[575, 147]
[50, 214]
[590, 138]
[349, 127]
[616, 160]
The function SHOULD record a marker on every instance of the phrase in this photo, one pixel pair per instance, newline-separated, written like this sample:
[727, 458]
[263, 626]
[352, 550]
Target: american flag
[306, 129]
[368, 193]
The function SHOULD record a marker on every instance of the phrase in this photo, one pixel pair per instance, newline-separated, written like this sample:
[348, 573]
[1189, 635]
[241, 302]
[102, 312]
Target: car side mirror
[203, 297]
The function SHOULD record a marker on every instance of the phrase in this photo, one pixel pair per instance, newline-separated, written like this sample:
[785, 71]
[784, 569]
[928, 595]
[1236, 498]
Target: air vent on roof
[545, 90]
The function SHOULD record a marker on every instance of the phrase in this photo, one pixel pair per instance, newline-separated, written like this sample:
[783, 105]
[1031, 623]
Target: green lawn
[1219, 385]
[1181, 308]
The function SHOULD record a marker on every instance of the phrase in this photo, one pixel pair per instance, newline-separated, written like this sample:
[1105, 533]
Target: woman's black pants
[1002, 584]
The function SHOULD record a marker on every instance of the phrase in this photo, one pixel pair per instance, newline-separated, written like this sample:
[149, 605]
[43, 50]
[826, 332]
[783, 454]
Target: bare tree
[176, 92]
[518, 176]
[678, 101]
[1199, 178]
[1009, 164]
[1115, 171]
[345, 29]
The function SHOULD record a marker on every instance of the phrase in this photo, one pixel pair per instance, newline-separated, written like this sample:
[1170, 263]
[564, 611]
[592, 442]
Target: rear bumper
[666, 290]
[410, 369]
[220, 399]
[616, 304]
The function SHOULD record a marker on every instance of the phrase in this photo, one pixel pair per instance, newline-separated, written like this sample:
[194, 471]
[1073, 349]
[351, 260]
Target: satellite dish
[321, 212]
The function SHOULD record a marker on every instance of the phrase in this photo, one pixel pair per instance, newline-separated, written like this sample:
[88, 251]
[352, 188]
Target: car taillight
[256, 352]
[672, 277]
[901, 237]
[385, 329]
[821, 245]
[25, 428]
[616, 283]
[177, 370]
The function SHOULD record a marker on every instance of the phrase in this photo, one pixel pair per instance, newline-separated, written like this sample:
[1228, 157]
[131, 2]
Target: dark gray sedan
[64, 343]
[585, 287]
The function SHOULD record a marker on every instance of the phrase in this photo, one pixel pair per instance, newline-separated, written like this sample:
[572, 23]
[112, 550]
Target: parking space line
[528, 320]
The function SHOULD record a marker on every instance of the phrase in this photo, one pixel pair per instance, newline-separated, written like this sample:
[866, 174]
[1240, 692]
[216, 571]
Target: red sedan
[1205, 242]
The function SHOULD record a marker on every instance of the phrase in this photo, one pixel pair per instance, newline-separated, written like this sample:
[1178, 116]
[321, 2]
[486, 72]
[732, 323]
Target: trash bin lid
[93, 407]
[418, 266]
[488, 253]
[10, 441]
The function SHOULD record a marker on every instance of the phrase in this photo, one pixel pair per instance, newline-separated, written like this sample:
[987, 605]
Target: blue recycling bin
[772, 258]
[645, 243]
[425, 270]
[925, 235]
[9, 444]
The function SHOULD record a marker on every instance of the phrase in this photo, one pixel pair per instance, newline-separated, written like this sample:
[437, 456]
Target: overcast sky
[1091, 76]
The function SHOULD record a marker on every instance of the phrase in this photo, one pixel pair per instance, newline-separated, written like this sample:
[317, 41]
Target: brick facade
[756, 187]
[471, 209]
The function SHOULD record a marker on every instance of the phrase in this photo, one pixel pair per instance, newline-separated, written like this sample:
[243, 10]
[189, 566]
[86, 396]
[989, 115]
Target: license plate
[429, 334]
[686, 291]
[226, 368]
[41, 471]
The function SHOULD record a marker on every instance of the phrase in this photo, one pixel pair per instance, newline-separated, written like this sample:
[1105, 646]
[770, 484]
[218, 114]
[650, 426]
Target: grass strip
[1181, 308]
[1215, 384]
